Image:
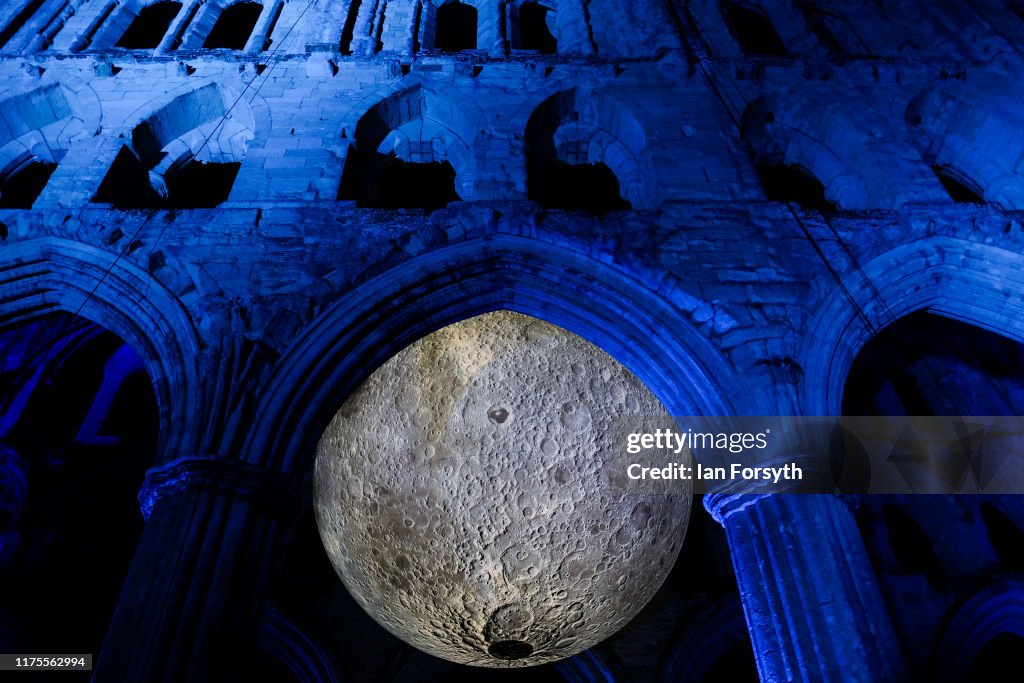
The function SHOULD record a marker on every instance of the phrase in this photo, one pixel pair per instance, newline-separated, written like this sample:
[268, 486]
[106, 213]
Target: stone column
[573, 28]
[194, 594]
[810, 596]
[260, 38]
[176, 31]
[490, 33]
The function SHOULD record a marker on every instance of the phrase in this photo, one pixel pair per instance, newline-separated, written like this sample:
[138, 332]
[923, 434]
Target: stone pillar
[194, 594]
[176, 31]
[260, 38]
[810, 596]
[573, 28]
[490, 33]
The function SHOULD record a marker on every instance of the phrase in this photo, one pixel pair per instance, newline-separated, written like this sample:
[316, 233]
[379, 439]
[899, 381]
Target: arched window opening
[592, 188]
[149, 27]
[589, 153]
[20, 188]
[960, 189]
[77, 406]
[534, 30]
[910, 546]
[833, 31]
[192, 184]
[791, 183]
[753, 30]
[1006, 538]
[234, 26]
[925, 364]
[996, 659]
[455, 29]
[382, 181]
[349, 29]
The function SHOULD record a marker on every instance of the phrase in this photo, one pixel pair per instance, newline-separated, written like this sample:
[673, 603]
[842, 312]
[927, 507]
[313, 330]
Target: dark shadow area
[348, 29]
[198, 185]
[925, 364]
[455, 29]
[534, 33]
[380, 181]
[784, 183]
[234, 26]
[150, 26]
[19, 190]
[753, 30]
[78, 409]
[910, 546]
[193, 185]
[957, 187]
[1006, 538]
[736, 665]
[998, 660]
[592, 188]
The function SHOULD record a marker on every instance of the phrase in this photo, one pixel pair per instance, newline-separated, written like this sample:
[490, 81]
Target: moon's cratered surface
[463, 495]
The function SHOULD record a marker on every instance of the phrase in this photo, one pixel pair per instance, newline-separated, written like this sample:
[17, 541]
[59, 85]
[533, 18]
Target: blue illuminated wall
[217, 218]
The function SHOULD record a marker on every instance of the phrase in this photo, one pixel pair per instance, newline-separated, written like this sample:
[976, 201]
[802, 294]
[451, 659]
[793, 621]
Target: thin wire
[206, 141]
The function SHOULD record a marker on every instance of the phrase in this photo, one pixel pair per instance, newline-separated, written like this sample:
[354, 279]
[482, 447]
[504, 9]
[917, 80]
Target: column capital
[721, 506]
[214, 474]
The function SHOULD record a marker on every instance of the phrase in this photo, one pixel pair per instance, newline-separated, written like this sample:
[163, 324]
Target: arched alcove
[983, 636]
[49, 275]
[970, 142]
[410, 151]
[455, 27]
[79, 409]
[185, 154]
[36, 130]
[813, 155]
[532, 28]
[149, 26]
[976, 284]
[753, 30]
[234, 26]
[925, 364]
[585, 151]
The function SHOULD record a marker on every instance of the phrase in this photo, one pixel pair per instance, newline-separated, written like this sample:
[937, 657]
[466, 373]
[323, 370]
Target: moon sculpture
[465, 496]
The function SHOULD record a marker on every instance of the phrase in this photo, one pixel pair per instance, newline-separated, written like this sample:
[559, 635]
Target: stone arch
[204, 124]
[994, 610]
[789, 130]
[517, 14]
[486, 21]
[420, 125]
[642, 329]
[578, 126]
[974, 141]
[50, 274]
[38, 126]
[975, 283]
[111, 31]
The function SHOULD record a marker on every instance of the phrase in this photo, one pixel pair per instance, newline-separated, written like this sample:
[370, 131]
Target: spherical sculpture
[464, 495]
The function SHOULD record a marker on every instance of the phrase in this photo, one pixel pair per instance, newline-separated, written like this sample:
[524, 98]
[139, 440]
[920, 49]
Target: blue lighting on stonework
[217, 219]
